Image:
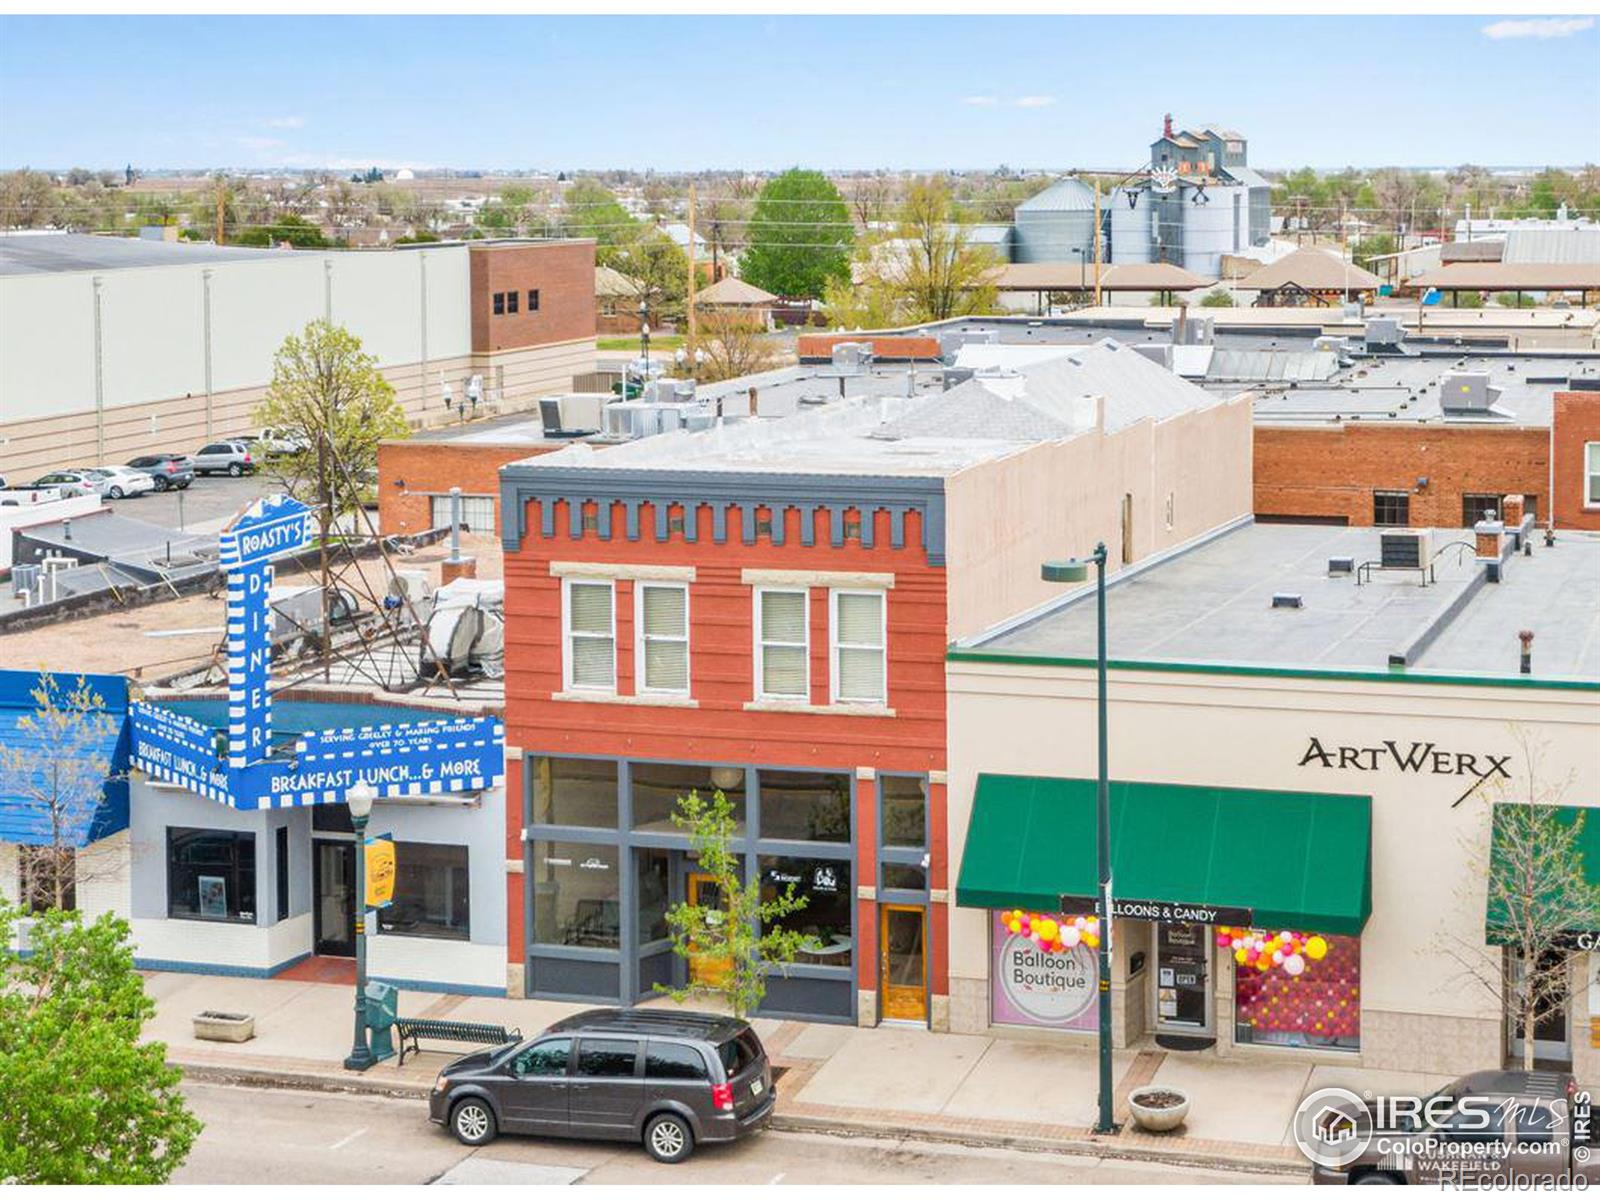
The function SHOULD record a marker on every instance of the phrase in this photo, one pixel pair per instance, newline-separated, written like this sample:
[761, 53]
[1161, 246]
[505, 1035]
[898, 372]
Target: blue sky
[767, 92]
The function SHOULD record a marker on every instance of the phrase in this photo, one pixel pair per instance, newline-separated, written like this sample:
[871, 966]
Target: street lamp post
[359, 798]
[1076, 570]
[644, 335]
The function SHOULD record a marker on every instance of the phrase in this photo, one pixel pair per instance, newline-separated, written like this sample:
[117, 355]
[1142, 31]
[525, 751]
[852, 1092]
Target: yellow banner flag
[380, 872]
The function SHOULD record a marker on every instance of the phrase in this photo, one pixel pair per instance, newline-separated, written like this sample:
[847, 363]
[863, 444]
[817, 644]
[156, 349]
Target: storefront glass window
[431, 895]
[657, 786]
[575, 791]
[653, 867]
[824, 883]
[1043, 969]
[898, 875]
[211, 875]
[805, 806]
[575, 887]
[1303, 990]
[905, 810]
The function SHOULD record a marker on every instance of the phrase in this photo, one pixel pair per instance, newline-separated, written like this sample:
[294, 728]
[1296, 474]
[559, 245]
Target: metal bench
[411, 1029]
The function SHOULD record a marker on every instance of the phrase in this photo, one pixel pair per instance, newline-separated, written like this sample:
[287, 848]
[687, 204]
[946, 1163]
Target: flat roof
[58, 253]
[1212, 604]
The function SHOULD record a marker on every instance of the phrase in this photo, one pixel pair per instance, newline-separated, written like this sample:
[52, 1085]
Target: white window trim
[759, 647]
[834, 647]
[567, 683]
[1591, 474]
[639, 686]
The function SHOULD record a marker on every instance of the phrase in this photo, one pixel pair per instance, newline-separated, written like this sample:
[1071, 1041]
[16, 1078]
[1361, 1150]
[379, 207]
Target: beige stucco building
[1334, 757]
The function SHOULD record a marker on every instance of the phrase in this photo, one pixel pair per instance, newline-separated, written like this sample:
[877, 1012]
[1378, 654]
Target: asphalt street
[256, 1135]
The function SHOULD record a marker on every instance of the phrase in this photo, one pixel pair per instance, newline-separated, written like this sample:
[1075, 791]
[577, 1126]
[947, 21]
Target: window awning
[1230, 855]
[1585, 934]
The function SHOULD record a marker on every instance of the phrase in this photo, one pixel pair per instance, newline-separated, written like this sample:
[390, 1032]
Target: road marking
[480, 1170]
[347, 1139]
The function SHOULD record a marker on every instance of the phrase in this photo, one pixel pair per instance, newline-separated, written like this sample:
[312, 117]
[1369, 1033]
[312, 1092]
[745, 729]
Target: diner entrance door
[334, 881]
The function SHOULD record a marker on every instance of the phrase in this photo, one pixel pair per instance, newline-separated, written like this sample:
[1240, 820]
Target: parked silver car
[231, 458]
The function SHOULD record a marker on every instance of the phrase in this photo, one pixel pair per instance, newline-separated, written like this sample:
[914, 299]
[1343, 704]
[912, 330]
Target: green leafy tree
[85, 1100]
[1219, 298]
[740, 936]
[800, 236]
[59, 768]
[591, 210]
[660, 267]
[1368, 248]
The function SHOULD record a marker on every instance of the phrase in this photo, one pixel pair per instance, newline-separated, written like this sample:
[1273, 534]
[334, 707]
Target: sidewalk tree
[800, 236]
[1538, 896]
[85, 1100]
[59, 766]
[741, 934]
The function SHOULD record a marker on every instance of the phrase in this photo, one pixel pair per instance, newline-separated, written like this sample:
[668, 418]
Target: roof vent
[1288, 600]
[1467, 392]
[1403, 548]
[1342, 565]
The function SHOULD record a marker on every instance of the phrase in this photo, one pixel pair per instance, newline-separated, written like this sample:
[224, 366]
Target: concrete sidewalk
[899, 1081]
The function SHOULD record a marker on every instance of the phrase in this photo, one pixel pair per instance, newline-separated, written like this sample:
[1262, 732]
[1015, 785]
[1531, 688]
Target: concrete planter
[224, 1027]
[1158, 1108]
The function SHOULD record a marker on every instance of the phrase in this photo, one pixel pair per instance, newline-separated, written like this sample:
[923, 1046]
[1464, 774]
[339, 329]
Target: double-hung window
[859, 650]
[662, 656]
[590, 635]
[1591, 474]
[783, 647]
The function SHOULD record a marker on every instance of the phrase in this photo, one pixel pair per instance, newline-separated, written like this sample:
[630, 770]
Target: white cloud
[259, 144]
[1539, 27]
[285, 122]
[1035, 101]
[980, 101]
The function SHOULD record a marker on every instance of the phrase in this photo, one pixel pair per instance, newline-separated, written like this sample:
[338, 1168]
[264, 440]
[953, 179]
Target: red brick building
[1575, 459]
[415, 477]
[763, 609]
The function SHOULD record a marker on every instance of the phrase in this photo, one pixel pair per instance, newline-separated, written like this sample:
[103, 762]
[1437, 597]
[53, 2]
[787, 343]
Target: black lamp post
[1076, 570]
[644, 335]
[359, 798]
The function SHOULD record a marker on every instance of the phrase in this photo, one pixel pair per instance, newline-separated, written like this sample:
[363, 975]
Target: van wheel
[668, 1138]
[1376, 1177]
[473, 1122]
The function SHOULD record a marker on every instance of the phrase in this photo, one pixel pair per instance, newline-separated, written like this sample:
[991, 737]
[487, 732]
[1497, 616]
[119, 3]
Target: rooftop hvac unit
[25, 578]
[1194, 331]
[1159, 353]
[699, 419]
[1382, 333]
[1400, 549]
[852, 358]
[1334, 345]
[1354, 310]
[1467, 392]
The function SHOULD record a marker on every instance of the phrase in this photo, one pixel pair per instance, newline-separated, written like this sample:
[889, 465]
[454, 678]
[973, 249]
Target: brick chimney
[1166, 125]
[1512, 510]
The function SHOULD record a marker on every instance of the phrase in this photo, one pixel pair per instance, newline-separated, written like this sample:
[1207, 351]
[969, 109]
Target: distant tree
[872, 198]
[1368, 248]
[86, 1101]
[60, 768]
[800, 235]
[731, 344]
[660, 267]
[730, 944]
[591, 210]
[1217, 298]
[27, 199]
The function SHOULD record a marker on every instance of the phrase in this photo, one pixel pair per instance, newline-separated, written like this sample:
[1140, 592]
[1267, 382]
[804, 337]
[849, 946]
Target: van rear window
[739, 1053]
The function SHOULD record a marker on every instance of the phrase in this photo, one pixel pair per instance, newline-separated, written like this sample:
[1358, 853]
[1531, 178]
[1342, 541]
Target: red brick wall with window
[1575, 425]
[561, 272]
[1332, 471]
[411, 473]
[722, 679]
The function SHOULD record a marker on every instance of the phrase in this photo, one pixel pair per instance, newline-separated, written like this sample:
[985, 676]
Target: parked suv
[233, 457]
[168, 470]
[666, 1079]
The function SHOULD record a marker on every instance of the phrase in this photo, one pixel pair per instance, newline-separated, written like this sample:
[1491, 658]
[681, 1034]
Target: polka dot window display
[1294, 988]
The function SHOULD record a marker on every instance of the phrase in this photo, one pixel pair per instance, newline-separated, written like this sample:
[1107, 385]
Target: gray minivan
[666, 1079]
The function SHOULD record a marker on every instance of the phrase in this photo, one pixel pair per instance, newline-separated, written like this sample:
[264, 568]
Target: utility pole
[1097, 241]
[222, 205]
[692, 329]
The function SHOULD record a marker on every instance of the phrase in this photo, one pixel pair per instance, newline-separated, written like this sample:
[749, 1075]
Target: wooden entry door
[707, 969]
[903, 962]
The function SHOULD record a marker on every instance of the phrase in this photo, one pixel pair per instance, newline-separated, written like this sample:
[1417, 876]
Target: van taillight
[722, 1097]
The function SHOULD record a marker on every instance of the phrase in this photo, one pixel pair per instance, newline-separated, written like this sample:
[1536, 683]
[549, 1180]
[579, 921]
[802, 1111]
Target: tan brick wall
[562, 273]
[1333, 471]
[1576, 422]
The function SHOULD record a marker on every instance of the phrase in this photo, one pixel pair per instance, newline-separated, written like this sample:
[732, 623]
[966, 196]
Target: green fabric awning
[1587, 844]
[1293, 859]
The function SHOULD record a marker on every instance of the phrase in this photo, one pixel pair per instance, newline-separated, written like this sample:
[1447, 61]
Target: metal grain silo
[1057, 225]
[1133, 215]
[1213, 227]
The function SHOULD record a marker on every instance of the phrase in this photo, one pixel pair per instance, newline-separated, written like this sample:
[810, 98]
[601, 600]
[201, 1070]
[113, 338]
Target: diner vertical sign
[270, 528]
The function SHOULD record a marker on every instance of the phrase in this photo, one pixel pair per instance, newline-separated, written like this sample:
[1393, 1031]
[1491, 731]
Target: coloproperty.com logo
[1333, 1127]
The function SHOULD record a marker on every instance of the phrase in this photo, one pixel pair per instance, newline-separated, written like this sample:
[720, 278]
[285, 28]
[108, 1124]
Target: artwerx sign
[419, 758]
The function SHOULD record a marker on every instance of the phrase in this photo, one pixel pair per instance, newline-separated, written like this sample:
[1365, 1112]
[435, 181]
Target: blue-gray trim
[434, 985]
[897, 495]
[202, 968]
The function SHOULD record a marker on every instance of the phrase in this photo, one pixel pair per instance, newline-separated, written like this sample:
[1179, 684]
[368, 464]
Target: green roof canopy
[1293, 859]
[1587, 844]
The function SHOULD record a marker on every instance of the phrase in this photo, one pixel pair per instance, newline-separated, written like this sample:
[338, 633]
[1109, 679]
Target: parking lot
[201, 507]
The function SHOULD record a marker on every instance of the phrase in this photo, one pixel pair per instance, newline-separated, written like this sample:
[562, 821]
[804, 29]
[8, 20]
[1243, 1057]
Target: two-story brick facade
[763, 609]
